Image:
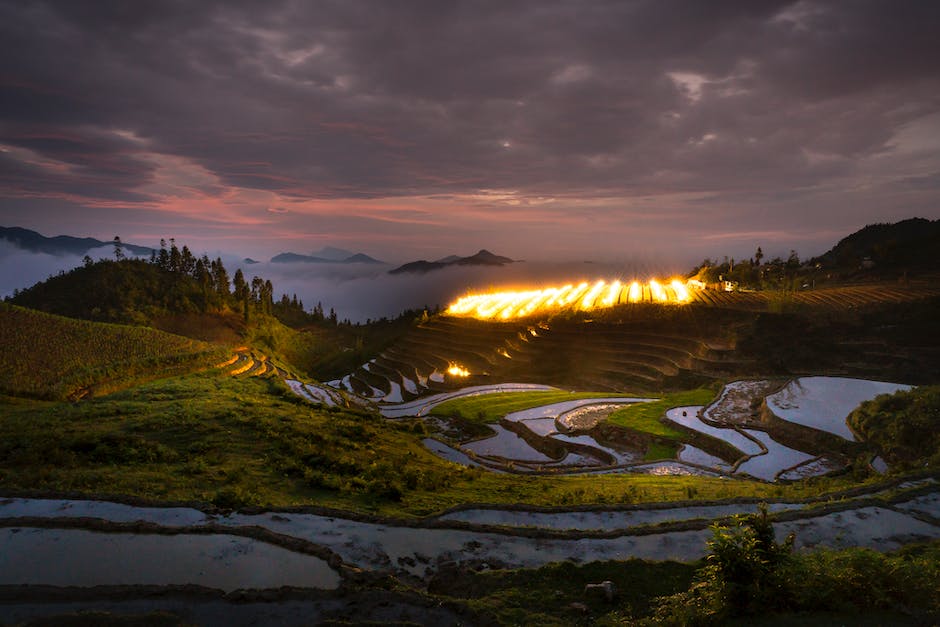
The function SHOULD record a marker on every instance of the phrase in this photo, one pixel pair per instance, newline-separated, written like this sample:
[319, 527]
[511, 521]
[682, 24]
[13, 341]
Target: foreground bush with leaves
[749, 576]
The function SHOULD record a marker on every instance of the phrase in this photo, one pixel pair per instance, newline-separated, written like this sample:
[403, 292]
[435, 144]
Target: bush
[743, 575]
[748, 573]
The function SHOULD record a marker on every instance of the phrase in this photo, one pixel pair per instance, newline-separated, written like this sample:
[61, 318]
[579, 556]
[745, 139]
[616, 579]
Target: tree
[793, 261]
[267, 296]
[220, 279]
[163, 258]
[118, 249]
[175, 257]
[758, 256]
[241, 287]
[187, 261]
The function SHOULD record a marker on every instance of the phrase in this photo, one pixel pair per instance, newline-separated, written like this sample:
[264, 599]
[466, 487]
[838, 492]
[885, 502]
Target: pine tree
[118, 249]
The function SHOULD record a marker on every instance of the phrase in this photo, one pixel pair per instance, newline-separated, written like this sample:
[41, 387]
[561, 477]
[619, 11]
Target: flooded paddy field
[601, 520]
[200, 551]
[777, 458]
[824, 403]
[818, 402]
[508, 445]
[688, 417]
[77, 557]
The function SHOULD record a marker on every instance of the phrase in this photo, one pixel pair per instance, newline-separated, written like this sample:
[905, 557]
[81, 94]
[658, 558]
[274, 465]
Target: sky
[549, 130]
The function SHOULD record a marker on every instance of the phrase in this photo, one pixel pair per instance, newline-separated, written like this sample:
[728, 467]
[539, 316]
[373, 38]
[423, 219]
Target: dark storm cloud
[351, 99]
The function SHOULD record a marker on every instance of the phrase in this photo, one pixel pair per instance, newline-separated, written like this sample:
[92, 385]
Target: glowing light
[587, 303]
[636, 292]
[682, 294]
[584, 296]
[456, 370]
[613, 295]
[657, 291]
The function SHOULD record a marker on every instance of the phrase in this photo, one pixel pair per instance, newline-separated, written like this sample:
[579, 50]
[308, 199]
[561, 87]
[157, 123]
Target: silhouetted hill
[482, 258]
[361, 258]
[910, 245]
[130, 291]
[418, 267]
[60, 244]
[332, 253]
[297, 258]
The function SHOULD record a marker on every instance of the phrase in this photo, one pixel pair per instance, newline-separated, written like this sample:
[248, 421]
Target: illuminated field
[582, 297]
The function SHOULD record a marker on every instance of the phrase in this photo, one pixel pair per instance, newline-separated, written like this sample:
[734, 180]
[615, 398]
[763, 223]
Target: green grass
[644, 417]
[661, 450]
[48, 356]
[489, 408]
[216, 439]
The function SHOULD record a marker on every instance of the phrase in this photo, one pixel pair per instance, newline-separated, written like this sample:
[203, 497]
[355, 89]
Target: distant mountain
[249, 261]
[297, 258]
[361, 258]
[910, 244]
[332, 253]
[482, 258]
[60, 245]
[418, 267]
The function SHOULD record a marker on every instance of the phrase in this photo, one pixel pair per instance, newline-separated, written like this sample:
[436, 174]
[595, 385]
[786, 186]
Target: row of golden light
[584, 297]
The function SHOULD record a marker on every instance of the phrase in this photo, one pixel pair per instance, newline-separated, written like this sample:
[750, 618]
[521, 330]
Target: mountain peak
[481, 258]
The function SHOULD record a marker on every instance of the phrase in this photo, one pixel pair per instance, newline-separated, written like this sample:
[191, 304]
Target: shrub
[743, 575]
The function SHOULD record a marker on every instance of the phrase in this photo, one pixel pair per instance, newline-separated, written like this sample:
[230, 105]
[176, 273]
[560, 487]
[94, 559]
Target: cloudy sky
[543, 129]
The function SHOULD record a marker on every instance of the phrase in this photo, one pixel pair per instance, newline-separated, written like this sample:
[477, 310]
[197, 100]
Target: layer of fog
[360, 292]
[20, 268]
[357, 292]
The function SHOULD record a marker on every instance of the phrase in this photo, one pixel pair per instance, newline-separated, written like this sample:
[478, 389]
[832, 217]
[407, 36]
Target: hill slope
[130, 291]
[60, 244]
[48, 356]
[482, 258]
[909, 244]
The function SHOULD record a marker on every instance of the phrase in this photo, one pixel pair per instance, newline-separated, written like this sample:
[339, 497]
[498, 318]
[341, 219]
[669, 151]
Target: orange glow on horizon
[584, 297]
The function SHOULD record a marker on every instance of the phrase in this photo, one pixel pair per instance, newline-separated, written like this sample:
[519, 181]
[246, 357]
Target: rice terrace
[469, 313]
[285, 466]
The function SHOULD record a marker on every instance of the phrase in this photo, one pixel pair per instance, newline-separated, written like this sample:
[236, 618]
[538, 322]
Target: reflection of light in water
[584, 297]
[456, 370]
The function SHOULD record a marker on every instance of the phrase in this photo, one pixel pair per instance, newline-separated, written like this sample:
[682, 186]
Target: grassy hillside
[233, 441]
[48, 356]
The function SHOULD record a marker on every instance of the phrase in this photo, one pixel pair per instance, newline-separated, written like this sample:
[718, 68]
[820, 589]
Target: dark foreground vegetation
[748, 578]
